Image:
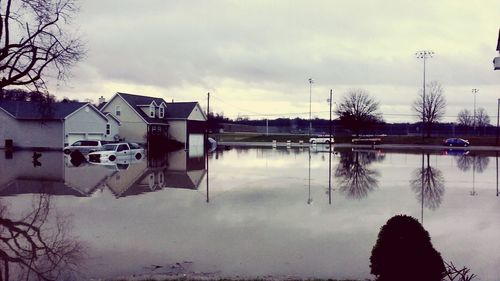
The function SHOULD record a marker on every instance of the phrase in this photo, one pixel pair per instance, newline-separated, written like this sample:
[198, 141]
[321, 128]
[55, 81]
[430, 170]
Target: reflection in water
[478, 163]
[428, 183]
[404, 251]
[61, 175]
[37, 245]
[355, 177]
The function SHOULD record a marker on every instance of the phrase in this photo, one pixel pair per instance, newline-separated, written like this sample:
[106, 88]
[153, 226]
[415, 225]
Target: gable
[197, 114]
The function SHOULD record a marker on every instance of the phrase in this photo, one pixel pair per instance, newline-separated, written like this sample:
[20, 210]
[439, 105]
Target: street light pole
[311, 81]
[474, 92]
[424, 55]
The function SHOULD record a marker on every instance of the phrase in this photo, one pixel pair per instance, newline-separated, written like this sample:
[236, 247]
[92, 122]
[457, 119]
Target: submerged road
[341, 145]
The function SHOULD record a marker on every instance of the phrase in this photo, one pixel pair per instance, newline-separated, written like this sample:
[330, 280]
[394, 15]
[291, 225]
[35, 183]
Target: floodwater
[250, 212]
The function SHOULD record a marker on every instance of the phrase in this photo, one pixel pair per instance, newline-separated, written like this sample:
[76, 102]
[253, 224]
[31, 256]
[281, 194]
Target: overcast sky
[255, 57]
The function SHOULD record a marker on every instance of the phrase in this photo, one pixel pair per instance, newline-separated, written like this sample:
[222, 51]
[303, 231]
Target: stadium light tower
[424, 55]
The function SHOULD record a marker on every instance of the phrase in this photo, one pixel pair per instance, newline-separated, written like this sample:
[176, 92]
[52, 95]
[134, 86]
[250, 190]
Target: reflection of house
[182, 172]
[50, 125]
[138, 115]
[55, 177]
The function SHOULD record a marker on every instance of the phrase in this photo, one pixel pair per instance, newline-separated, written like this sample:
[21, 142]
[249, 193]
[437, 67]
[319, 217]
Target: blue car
[456, 142]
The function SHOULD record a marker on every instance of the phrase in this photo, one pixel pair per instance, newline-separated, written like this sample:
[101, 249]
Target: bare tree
[482, 118]
[358, 110]
[465, 118]
[433, 108]
[36, 43]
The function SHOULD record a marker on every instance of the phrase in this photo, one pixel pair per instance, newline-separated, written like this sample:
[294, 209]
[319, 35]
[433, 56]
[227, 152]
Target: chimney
[102, 100]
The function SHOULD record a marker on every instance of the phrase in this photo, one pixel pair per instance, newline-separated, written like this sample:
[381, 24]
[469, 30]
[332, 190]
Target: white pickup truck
[322, 139]
[116, 151]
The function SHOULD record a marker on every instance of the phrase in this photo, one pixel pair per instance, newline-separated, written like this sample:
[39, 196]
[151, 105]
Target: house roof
[136, 101]
[179, 110]
[40, 111]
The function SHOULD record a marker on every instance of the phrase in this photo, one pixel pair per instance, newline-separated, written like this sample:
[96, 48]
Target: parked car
[113, 152]
[456, 142]
[85, 146]
[321, 139]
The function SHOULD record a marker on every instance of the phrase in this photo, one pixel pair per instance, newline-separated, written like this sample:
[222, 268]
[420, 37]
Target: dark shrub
[404, 252]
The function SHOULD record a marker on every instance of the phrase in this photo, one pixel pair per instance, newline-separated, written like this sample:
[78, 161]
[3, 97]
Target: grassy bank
[253, 137]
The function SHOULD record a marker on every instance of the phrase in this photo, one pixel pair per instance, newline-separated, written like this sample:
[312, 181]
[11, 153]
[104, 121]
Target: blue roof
[180, 110]
[136, 101]
[27, 110]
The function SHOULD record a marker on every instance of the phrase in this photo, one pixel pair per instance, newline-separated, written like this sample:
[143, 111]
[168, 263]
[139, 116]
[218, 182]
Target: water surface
[260, 212]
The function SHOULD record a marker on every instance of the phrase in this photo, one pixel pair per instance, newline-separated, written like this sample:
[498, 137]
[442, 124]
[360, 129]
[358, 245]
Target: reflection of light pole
[497, 171]
[422, 191]
[310, 95]
[309, 199]
[474, 92]
[424, 55]
[473, 192]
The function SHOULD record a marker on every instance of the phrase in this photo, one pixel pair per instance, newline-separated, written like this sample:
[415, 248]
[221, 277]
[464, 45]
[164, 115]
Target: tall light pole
[311, 81]
[474, 92]
[424, 55]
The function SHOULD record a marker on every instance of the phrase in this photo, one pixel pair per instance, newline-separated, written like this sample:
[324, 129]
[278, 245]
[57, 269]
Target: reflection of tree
[32, 247]
[428, 184]
[355, 179]
[466, 162]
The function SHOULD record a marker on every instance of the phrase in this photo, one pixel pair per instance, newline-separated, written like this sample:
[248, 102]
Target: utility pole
[330, 152]
[206, 142]
[498, 117]
[474, 92]
[424, 55]
[311, 81]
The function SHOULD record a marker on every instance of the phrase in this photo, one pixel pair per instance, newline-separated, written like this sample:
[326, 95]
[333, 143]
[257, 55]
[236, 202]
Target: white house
[137, 115]
[51, 125]
[140, 115]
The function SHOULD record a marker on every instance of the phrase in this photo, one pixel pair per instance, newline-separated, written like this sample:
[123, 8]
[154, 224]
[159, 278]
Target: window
[108, 129]
[78, 143]
[90, 143]
[118, 110]
[161, 112]
[122, 147]
[152, 110]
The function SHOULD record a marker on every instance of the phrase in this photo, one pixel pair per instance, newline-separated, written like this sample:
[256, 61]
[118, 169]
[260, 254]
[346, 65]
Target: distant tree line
[33, 96]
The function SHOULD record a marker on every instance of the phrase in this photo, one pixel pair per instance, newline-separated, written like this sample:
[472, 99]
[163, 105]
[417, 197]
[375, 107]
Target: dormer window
[152, 111]
[161, 111]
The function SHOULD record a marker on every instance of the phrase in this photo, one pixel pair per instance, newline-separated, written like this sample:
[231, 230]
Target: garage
[72, 137]
[196, 142]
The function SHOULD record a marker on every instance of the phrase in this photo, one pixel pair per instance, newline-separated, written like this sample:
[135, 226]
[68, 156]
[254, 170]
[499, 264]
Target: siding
[30, 134]
[196, 114]
[114, 128]
[85, 122]
[177, 130]
[132, 126]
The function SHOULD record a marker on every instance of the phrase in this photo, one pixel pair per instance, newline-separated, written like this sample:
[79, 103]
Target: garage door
[75, 137]
[196, 145]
